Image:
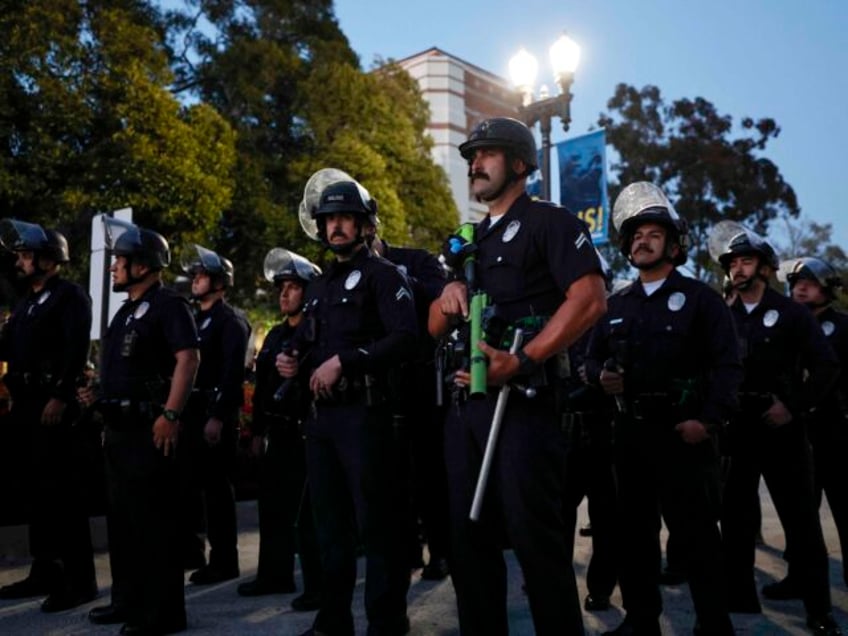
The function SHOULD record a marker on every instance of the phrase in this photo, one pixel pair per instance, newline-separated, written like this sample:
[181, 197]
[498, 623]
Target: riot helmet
[198, 259]
[345, 197]
[20, 236]
[282, 265]
[57, 247]
[729, 239]
[643, 202]
[138, 245]
[512, 135]
[814, 269]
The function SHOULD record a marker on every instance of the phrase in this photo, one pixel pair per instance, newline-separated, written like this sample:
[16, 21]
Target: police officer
[149, 358]
[814, 282]
[359, 325]
[285, 511]
[421, 417]
[210, 421]
[45, 342]
[781, 346]
[666, 351]
[536, 263]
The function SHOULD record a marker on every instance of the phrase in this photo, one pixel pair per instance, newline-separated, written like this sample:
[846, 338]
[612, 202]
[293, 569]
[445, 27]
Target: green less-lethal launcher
[479, 301]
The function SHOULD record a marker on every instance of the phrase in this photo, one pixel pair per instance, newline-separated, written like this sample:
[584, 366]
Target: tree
[284, 76]
[385, 147]
[88, 125]
[711, 170]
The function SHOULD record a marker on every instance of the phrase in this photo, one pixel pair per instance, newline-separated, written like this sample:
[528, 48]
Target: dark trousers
[829, 439]
[782, 456]
[57, 502]
[143, 523]
[589, 474]
[206, 477]
[285, 512]
[429, 476]
[352, 463]
[658, 471]
[524, 507]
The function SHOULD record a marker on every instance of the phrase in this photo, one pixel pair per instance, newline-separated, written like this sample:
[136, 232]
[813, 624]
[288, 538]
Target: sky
[784, 59]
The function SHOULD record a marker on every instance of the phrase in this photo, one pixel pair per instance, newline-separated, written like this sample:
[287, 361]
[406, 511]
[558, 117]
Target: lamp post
[565, 55]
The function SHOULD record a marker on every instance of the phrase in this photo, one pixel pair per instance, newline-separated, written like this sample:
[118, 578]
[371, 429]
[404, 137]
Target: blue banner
[583, 181]
[534, 181]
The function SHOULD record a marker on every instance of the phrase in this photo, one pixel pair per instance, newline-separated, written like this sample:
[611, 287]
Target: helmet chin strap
[131, 280]
[345, 249]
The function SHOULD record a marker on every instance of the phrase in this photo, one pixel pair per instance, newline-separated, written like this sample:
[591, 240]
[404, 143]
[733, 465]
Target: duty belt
[660, 405]
[127, 414]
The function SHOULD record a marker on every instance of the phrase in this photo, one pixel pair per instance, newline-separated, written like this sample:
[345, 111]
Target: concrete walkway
[218, 609]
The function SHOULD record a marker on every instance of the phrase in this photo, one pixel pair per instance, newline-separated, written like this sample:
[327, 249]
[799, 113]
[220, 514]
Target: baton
[489, 455]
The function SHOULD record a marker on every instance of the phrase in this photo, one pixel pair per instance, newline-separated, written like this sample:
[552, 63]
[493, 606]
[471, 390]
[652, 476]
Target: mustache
[338, 233]
[643, 248]
[480, 175]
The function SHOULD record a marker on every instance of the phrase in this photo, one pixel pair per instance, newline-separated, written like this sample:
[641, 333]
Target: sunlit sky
[784, 59]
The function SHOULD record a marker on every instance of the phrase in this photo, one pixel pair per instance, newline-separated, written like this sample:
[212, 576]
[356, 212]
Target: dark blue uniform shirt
[223, 347]
[681, 332]
[531, 256]
[48, 335]
[781, 344]
[834, 325]
[139, 345]
[362, 310]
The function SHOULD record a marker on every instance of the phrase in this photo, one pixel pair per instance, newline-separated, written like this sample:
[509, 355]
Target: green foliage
[283, 75]
[87, 124]
[710, 169]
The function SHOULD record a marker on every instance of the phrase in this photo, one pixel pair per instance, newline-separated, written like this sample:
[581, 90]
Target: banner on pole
[583, 181]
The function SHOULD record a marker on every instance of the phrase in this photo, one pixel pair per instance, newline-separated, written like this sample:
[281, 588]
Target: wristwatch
[526, 365]
[171, 415]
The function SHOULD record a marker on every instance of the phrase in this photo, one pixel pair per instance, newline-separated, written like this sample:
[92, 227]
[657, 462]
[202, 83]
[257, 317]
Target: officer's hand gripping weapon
[494, 432]
[462, 245]
[285, 385]
[614, 367]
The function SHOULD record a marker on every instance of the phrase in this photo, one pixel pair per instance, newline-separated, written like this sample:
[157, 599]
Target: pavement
[217, 609]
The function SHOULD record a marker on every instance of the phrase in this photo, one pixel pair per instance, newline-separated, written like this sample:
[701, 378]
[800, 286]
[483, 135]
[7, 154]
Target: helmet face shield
[810, 268]
[121, 237]
[316, 184]
[729, 239]
[642, 199]
[281, 265]
[643, 202]
[20, 236]
[127, 239]
[198, 259]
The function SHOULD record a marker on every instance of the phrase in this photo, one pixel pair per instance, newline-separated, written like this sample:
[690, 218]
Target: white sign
[104, 302]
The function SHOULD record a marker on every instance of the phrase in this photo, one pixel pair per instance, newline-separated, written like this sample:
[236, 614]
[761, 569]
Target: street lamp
[565, 55]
